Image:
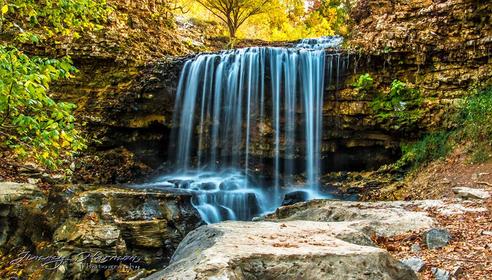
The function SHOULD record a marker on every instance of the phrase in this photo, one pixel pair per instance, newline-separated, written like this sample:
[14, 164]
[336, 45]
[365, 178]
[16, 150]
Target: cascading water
[231, 104]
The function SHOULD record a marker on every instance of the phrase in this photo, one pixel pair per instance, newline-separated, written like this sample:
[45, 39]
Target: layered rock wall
[440, 48]
[82, 224]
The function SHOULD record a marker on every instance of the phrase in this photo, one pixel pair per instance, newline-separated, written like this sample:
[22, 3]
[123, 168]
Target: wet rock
[229, 185]
[181, 184]
[265, 250]
[416, 264]
[440, 274]
[294, 197]
[437, 238]
[470, 193]
[208, 186]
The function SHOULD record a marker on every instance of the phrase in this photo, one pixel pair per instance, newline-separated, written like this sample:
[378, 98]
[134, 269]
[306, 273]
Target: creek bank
[71, 220]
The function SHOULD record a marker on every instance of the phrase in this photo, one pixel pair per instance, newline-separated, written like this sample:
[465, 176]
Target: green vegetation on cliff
[473, 129]
[400, 108]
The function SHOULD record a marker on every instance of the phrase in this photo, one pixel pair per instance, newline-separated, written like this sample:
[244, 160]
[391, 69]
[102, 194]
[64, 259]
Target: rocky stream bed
[113, 232]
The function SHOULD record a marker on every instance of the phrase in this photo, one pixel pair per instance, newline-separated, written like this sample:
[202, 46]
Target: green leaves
[364, 84]
[33, 21]
[472, 127]
[475, 123]
[433, 146]
[400, 108]
[31, 123]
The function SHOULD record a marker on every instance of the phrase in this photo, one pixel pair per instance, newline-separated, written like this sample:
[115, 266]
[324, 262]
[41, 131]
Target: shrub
[31, 123]
[433, 146]
[475, 120]
[364, 83]
[400, 108]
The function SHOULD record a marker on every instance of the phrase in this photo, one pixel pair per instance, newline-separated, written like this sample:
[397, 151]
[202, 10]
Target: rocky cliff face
[440, 48]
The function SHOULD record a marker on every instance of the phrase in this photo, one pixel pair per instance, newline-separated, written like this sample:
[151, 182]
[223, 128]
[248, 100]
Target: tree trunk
[232, 32]
[232, 35]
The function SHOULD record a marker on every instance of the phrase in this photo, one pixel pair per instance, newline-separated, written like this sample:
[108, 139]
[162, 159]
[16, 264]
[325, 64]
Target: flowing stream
[241, 108]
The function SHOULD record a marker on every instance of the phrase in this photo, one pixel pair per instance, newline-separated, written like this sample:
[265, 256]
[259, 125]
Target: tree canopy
[284, 20]
[234, 12]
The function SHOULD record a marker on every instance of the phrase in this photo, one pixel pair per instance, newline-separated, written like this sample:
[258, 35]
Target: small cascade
[218, 196]
[231, 105]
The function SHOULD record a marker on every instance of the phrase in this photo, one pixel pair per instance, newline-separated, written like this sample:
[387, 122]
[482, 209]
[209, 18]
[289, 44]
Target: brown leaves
[468, 252]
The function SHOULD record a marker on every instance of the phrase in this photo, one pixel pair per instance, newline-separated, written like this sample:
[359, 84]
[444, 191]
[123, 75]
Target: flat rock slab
[11, 192]
[287, 250]
[380, 218]
[386, 218]
[471, 193]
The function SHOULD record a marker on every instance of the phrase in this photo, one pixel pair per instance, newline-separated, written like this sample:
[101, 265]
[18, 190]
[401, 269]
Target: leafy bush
[31, 123]
[400, 108]
[36, 20]
[364, 83]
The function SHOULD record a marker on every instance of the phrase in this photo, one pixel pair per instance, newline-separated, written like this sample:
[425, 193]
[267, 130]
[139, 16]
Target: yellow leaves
[5, 9]
[65, 144]
[20, 151]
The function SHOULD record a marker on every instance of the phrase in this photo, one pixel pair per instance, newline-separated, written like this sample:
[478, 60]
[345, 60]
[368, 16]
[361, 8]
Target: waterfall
[240, 108]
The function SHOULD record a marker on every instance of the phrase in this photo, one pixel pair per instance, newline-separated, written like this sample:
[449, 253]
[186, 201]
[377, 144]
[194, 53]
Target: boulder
[380, 218]
[16, 201]
[289, 250]
[440, 274]
[95, 220]
[416, 264]
[294, 197]
[147, 221]
[437, 238]
[470, 193]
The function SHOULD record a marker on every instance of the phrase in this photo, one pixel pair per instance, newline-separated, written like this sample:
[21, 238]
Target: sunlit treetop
[281, 20]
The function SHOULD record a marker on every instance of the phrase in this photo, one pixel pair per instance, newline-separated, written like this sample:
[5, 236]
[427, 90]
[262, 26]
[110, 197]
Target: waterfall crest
[233, 106]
